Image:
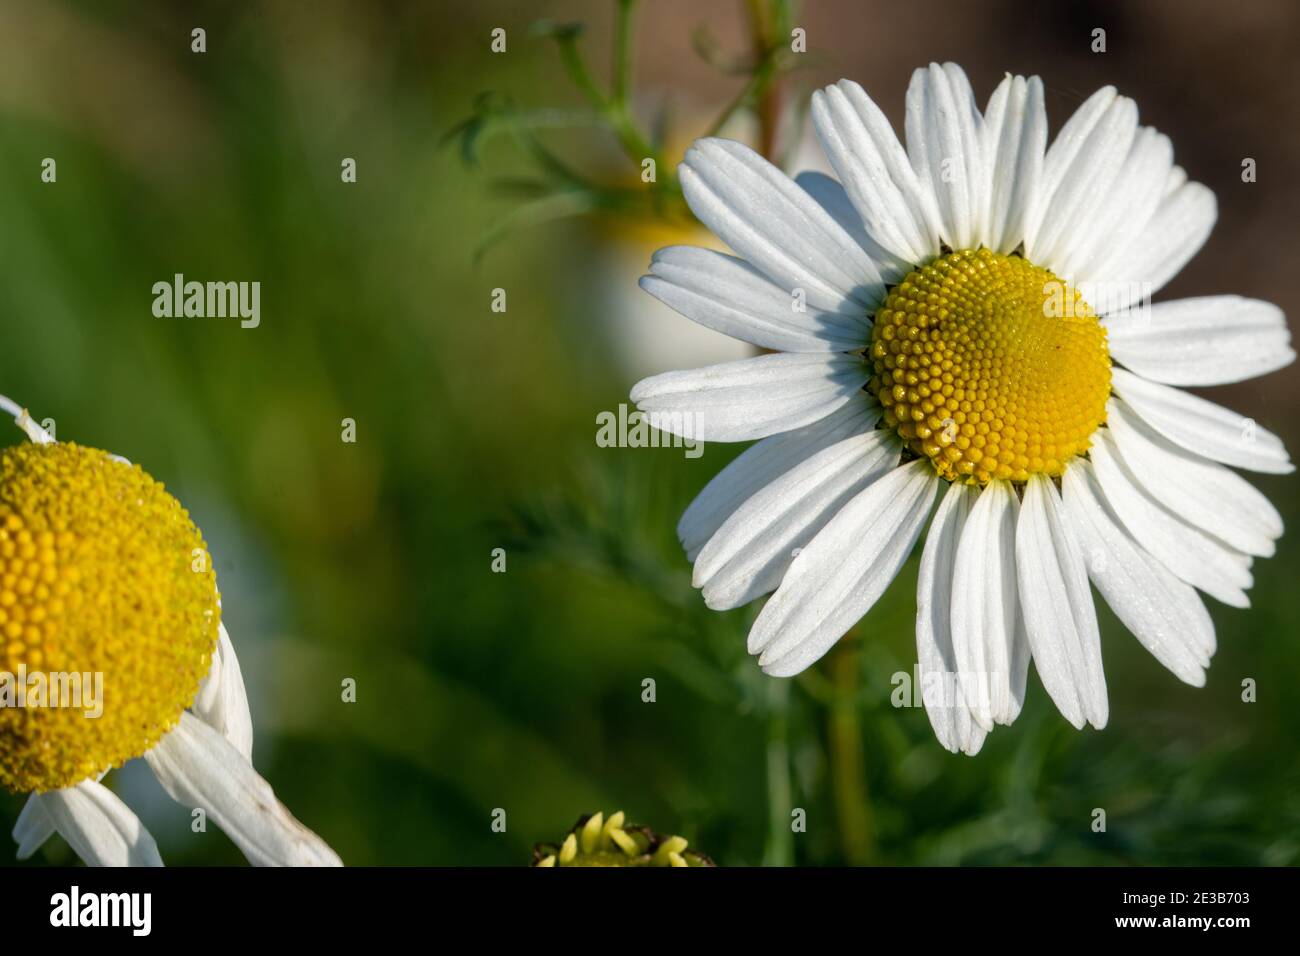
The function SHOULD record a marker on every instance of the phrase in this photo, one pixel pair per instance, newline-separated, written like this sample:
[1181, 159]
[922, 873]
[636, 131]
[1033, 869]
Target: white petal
[1073, 136]
[897, 208]
[1119, 214]
[768, 220]
[730, 296]
[937, 668]
[1177, 176]
[23, 419]
[99, 827]
[223, 700]
[1136, 270]
[762, 464]
[1205, 428]
[1165, 614]
[1218, 501]
[840, 575]
[751, 398]
[831, 196]
[1014, 139]
[1059, 616]
[200, 769]
[32, 828]
[988, 636]
[944, 144]
[1068, 226]
[1202, 561]
[1212, 340]
[752, 550]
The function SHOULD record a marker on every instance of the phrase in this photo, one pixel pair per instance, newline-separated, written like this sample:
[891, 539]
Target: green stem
[623, 53]
[634, 143]
[848, 771]
[576, 67]
[742, 99]
[780, 838]
[769, 40]
[760, 89]
[615, 111]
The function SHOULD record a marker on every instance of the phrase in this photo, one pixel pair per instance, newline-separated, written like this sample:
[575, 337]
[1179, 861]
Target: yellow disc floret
[598, 841]
[990, 367]
[108, 604]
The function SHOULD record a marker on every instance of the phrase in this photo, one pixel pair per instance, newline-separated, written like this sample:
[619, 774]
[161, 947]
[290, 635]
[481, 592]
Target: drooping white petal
[828, 193]
[751, 398]
[988, 635]
[944, 144]
[938, 671]
[32, 828]
[1201, 560]
[1014, 137]
[897, 207]
[1081, 172]
[99, 827]
[730, 296]
[755, 546]
[1139, 268]
[1077, 133]
[1060, 619]
[1203, 427]
[760, 213]
[1218, 501]
[223, 700]
[1210, 340]
[199, 768]
[1165, 614]
[1120, 213]
[840, 575]
[23, 419]
[763, 463]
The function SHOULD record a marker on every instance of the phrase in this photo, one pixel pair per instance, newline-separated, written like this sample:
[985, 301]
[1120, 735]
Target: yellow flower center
[990, 367]
[599, 842]
[102, 572]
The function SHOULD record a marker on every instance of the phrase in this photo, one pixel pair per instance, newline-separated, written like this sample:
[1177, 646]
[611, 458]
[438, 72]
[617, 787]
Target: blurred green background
[475, 430]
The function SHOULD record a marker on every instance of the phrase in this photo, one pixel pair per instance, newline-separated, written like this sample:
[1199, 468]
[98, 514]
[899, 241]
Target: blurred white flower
[104, 577]
[646, 335]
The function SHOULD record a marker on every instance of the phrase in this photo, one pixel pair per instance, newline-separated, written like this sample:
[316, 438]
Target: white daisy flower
[964, 319]
[107, 589]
